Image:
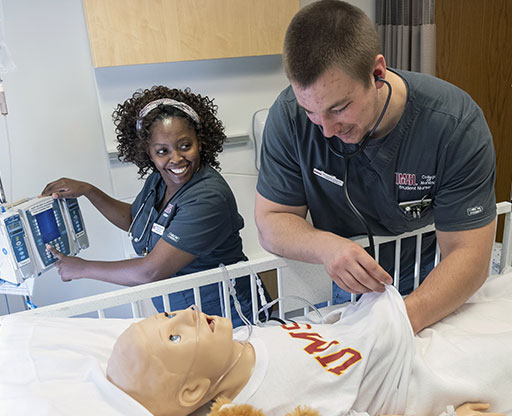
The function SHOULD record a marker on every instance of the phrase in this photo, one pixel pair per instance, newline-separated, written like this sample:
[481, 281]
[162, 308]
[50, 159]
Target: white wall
[54, 124]
[59, 121]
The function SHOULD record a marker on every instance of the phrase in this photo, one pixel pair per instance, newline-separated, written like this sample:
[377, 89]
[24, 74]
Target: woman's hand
[475, 409]
[66, 188]
[69, 267]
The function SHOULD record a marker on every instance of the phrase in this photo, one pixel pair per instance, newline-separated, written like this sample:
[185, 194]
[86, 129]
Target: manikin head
[171, 363]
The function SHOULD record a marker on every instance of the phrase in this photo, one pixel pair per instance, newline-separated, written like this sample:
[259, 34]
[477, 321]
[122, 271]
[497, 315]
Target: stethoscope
[346, 157]
[130, 235]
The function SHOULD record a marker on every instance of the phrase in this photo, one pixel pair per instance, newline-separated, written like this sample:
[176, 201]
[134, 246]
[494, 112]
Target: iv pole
[3, 111]
[6, 65]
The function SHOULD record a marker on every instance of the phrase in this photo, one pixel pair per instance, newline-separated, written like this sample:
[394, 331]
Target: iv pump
[25, 230]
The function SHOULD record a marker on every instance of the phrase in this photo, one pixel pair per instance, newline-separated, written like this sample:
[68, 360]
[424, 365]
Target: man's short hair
[330, 33]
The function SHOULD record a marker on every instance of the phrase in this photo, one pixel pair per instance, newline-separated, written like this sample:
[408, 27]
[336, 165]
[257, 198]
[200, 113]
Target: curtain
[408, 34]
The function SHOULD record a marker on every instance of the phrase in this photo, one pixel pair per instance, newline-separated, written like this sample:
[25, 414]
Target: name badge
[158, 229]
[327, 177]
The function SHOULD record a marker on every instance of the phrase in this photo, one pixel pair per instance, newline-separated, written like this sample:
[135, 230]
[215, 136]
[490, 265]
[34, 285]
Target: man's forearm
[447, 287]
[291, 236]
[462, 270]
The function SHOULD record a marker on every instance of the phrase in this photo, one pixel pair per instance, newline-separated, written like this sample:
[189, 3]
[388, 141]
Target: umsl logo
[405, 179]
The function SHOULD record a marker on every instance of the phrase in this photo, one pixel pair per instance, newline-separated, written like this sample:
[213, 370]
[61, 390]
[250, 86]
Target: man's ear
[193, 392]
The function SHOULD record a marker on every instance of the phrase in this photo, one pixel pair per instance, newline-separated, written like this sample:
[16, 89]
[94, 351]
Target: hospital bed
[35, 344]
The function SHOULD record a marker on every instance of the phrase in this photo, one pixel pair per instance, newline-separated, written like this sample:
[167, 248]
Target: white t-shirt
[465, 357]
[364, 360]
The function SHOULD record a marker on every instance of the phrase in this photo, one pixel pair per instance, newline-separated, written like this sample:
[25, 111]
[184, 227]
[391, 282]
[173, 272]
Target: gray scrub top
[201, 218]
[440, 149]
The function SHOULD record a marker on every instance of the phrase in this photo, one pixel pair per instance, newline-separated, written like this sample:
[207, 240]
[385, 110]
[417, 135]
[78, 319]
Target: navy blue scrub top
[441, 149]
[201, 218]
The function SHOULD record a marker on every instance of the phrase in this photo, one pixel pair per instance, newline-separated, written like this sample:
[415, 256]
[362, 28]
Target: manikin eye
[169, 315]
[175, 339]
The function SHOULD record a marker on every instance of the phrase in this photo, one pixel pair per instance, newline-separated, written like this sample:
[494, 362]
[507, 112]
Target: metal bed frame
[307, 281]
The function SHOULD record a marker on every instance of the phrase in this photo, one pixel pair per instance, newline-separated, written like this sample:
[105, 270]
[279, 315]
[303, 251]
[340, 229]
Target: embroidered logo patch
[409, 181]
[326, 176]
[475, 210]
[405, 179]
[168, 210]
[173, 237]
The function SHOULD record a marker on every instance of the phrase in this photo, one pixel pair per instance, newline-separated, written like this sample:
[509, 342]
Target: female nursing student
[185, 219]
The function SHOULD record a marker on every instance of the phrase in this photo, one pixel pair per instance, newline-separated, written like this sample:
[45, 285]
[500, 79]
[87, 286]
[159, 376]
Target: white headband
[166, 101]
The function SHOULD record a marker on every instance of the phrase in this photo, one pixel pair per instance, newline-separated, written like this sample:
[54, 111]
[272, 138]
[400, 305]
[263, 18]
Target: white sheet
[476, 341]
[56, 366]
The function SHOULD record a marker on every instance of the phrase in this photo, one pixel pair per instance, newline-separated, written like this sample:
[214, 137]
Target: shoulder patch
[173, 237]
[475, 210]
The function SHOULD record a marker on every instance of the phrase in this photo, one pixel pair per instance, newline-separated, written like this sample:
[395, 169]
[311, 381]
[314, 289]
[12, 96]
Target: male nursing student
[429, 158]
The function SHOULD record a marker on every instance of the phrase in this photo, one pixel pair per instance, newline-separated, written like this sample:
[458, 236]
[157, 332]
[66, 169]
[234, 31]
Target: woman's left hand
[69, 267]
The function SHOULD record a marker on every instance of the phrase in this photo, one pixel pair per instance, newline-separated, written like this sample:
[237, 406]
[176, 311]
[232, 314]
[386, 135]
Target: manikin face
[342, 106]
[185, 336]
[161, 360]
[174, 149]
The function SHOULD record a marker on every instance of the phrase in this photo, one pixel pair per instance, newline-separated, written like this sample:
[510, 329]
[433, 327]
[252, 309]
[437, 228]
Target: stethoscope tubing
[346, 157]
[130, 235]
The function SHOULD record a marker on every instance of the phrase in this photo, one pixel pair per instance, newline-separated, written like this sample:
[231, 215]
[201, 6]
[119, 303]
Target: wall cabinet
[129, 32]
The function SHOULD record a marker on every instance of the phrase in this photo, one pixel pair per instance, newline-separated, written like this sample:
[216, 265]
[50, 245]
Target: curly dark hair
[133, 144]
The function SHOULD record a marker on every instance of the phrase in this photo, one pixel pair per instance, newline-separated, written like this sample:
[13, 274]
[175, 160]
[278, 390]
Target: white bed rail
[293, 278]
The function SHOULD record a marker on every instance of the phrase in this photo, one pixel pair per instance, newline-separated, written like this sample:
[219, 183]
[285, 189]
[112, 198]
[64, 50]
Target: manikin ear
[193, 392]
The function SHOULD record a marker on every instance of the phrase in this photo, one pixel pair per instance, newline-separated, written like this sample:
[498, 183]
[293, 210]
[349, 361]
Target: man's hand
[69, 268]
[283, 230]
[352, 268]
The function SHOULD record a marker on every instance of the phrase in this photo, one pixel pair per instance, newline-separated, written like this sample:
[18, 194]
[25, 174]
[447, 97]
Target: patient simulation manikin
[172, 363]
[363, 363]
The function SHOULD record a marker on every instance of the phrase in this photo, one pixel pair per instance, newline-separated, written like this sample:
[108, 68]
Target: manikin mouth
[211, 323]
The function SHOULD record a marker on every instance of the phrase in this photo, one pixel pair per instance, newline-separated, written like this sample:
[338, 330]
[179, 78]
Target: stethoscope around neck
[346, 157]
[130, 235]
